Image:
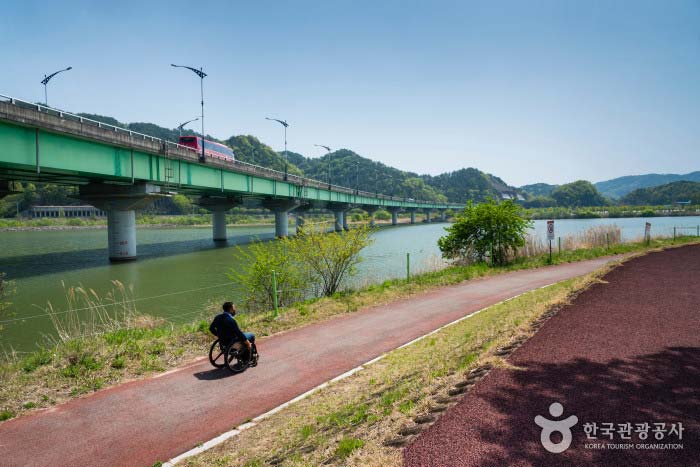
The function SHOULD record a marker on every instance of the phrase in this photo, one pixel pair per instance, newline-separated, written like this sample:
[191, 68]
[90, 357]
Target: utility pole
[201, 75]
[182, 125]
[328, 153]
[285, 125]
[46, 80]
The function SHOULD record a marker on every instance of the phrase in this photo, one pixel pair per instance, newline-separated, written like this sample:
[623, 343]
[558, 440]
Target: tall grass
[601, 236]
[88, 314]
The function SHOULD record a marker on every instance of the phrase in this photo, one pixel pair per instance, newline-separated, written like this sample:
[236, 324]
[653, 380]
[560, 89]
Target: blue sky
[537, 91]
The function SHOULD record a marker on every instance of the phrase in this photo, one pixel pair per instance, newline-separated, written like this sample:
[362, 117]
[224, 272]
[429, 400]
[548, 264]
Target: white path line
[236, 431]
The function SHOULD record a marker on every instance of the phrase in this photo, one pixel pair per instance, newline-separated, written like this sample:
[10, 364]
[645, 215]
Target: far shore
[103, 226]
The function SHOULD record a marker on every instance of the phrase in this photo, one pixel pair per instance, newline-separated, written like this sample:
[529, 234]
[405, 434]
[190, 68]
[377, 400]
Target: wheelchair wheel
[217, 355]
[237, 357]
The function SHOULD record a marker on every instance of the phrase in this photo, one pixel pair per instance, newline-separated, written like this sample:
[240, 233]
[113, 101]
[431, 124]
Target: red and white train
[211, 149]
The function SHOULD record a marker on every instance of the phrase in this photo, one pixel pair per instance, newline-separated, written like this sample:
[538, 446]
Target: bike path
[623, 358]
[158, 418]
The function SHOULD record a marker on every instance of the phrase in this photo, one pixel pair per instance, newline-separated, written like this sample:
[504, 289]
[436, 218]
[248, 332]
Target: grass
[109, 354]
[347, 422]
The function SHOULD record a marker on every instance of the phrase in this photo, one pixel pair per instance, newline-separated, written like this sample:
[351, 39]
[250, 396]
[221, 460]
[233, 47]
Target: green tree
[257, 261]
[577, 194]
[331, 257]
[181, 204]
[312, 263]
[488, 229]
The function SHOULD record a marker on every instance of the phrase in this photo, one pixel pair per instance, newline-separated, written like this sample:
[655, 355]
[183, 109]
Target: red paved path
[144, 421]
[625, 351]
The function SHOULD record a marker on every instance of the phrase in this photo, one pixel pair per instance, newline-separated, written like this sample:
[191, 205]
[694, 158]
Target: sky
[531, 91]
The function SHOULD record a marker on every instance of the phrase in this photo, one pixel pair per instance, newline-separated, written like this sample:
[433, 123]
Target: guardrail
[240, 165]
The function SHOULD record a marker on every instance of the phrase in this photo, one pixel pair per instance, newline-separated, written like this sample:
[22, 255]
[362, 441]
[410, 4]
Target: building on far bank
[66, 211]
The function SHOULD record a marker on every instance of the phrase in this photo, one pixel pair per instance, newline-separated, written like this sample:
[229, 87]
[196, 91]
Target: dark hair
[227, 306]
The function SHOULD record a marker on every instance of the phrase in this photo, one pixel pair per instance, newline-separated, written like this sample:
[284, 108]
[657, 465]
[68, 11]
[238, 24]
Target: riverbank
[154, 222]
[146, 345]
[610, 212]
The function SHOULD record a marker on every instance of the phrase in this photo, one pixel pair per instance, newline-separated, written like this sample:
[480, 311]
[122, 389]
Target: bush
[489, 229]
[315, 262]
[382, 215]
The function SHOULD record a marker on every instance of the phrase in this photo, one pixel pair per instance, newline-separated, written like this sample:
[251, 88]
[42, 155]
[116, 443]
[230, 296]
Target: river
[181, 272]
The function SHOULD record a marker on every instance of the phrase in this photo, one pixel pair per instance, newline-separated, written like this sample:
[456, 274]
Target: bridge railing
[243, 166]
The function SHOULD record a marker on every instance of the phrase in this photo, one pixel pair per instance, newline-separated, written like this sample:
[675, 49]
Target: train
[211, 149]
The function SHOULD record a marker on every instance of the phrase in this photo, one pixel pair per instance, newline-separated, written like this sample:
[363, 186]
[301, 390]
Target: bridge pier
[339, 220]
[413, 215]
[300, 213]
[427, 215]
[340, 211]
[281, 208]
[394, 215]
[218, 208]
[371, 210]
[443, 215]
[120, 202]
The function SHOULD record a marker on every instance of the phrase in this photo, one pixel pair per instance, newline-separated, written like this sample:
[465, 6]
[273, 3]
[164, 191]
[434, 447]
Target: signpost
[550, 237]
[647, 232]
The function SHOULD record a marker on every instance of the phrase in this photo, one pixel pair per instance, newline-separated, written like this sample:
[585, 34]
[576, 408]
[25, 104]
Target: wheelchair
[235, 356]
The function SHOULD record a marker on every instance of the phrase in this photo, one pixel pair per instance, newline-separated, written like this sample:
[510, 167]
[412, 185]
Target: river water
[181, 272]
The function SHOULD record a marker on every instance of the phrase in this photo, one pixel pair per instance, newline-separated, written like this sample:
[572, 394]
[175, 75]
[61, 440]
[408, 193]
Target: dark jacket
[226, 329]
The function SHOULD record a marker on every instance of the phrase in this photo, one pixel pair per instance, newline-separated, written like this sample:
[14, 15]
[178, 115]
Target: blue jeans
[250, 336]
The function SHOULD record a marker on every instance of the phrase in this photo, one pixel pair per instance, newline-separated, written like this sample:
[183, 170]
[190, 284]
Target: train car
[211, 149]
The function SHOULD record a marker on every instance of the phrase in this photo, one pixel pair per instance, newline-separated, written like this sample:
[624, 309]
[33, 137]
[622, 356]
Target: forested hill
[352, 170]
[539, 189]
[349, 169]
[619, 187]
[665, 194]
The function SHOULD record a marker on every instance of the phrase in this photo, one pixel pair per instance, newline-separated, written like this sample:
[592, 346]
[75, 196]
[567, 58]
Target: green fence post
[408, 267]
[274, 294]
[607, 240]
[698, 233]
[559, 240]
[674, 234]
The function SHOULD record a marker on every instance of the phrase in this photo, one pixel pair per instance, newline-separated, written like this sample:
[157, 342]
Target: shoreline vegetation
[162, 222]
[120, 343]
[610, 212]
[151, 221]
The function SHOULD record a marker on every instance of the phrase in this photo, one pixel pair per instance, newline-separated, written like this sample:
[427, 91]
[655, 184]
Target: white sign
[550, 230]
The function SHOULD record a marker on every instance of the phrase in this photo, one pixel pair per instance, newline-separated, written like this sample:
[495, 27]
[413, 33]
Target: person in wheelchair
[225, 327]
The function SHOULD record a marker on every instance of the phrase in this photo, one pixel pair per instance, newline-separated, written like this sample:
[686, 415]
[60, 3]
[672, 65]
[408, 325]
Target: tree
[182, 204]
[255, 264]
[488, 229]
[331, 257]
[578, 194]
[313, 263]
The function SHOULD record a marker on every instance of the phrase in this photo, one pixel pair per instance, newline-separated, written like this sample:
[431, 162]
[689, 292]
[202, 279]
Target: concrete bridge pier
[427, 215]
[394, 215]
[300, 213]
[371, 210]
[339, 220]
[413, 215]
[340, 211]
[218, 207]
[281, 208]
[120, 202]
[443, 215]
